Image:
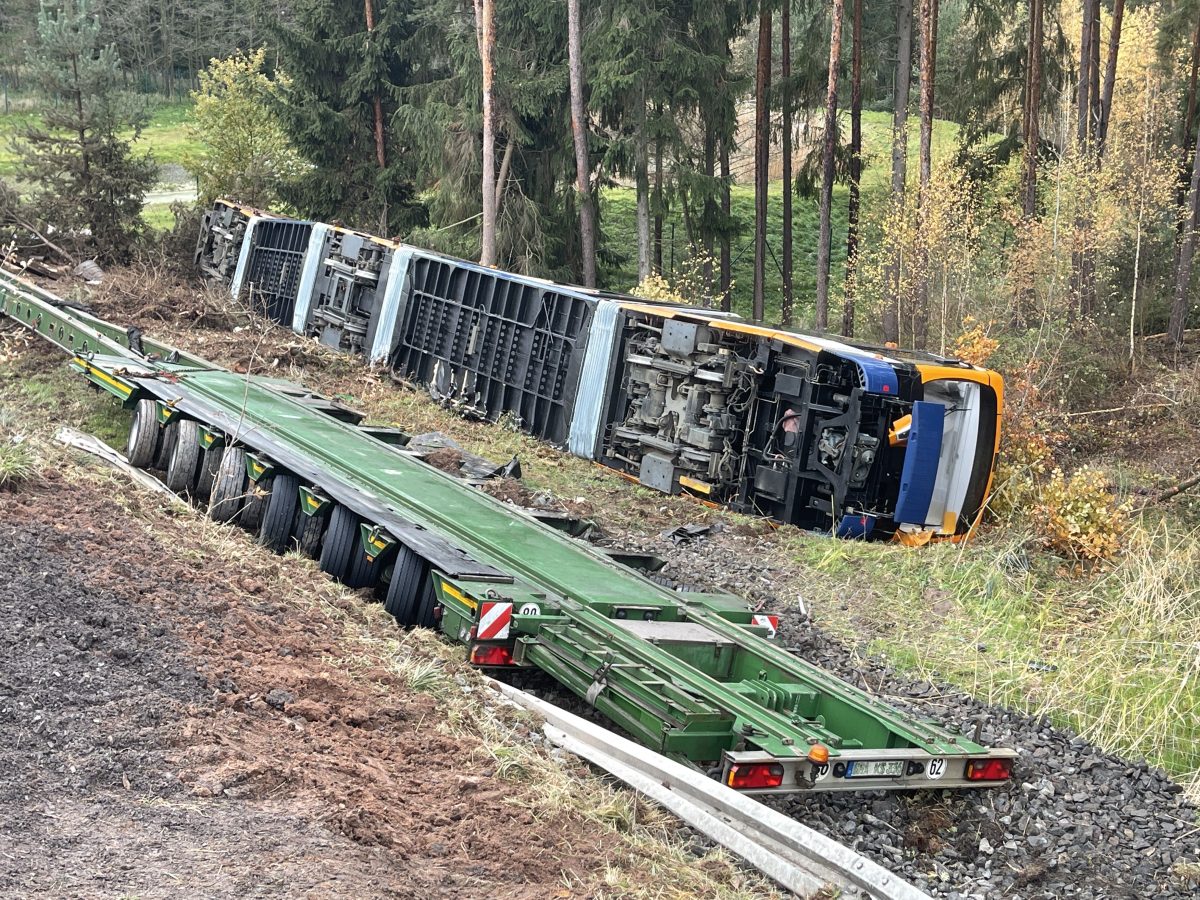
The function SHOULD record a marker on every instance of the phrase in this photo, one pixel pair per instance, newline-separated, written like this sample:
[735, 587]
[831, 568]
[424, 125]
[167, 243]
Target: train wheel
[144, 435]
[280, 512]
[342, 540]
[185, 457]
[258, 493]
[307, 533]
[210, 463]
[410, 574]
[229, 488]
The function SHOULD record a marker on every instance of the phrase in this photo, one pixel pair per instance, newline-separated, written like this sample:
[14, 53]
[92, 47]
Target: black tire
[342, 539]
[166, 445]
[210, 463]
[410, 575]
[185, 457]
[429, 604]
[282, 505]
[363, 571]
[257, 495]
[228, 496]
[307, 533]
[144, 434]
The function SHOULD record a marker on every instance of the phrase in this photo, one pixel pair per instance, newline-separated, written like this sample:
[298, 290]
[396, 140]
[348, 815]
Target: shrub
[16, 463]
[655, 287]
[1079, 518]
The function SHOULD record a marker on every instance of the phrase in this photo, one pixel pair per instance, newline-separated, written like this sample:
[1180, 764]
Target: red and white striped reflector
[494, 621]
[771, 623]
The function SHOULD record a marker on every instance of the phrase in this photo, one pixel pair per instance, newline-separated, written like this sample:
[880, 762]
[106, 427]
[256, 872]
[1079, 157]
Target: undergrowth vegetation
[1112, 655]
[16, 460]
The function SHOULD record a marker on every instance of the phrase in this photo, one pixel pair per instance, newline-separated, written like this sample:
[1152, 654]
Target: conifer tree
[345, 72]
[86, 178]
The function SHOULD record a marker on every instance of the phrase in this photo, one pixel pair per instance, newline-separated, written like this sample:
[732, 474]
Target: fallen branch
[1116, 409]
[22, 223]
[1174, 491]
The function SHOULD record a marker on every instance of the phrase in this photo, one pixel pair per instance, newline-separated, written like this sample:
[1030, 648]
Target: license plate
[875, 769]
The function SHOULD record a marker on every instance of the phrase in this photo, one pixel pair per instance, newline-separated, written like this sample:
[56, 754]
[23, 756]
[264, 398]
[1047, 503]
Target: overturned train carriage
[855, 440]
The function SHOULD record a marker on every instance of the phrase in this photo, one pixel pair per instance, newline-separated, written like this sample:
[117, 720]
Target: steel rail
[791, 854]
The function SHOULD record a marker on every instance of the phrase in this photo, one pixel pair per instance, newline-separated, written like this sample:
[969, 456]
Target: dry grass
[1115, 654]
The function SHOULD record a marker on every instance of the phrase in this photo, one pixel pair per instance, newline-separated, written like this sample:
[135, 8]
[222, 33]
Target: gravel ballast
[1075, 821]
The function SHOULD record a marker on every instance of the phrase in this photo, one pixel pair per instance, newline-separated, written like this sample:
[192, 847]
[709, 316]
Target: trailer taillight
[755, 775]
[989, 769]
[491, 655]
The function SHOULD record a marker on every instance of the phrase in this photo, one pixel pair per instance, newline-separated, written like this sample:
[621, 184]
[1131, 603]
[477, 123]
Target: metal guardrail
[796, 857]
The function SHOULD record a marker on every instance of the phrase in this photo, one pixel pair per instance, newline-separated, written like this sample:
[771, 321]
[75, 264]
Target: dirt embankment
[173, 723]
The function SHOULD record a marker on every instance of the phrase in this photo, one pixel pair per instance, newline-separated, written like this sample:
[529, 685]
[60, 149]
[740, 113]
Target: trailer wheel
[185, 457]
[363, 572]
[342, 539]
[257, 495]
[229, 489]
[166, 446]
[307, 533]
[280, 512]
[410, 574]
[428, 607]
[210, 463]
[142, 447]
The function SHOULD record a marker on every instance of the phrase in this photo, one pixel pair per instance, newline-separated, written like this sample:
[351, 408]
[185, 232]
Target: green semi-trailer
[692, 675]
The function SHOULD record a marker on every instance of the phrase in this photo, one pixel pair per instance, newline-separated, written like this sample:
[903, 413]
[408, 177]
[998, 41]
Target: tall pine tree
[86, 179]
[346, 66]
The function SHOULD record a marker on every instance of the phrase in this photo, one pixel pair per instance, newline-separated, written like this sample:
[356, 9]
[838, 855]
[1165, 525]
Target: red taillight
[989, 769]
[491, 655]
[755, 775]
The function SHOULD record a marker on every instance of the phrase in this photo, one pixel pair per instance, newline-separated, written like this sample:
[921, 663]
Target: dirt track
[170, 725]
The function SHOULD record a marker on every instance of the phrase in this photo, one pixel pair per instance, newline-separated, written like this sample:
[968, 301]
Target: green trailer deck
[692, 675]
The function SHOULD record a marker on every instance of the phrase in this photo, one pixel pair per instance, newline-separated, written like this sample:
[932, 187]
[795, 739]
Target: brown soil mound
[172, 723]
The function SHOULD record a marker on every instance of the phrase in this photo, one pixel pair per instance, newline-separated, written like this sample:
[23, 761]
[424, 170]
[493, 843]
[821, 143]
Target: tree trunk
[642, 177]
[1187, 249]
[929, 18]
[658, 205]
[1110, 74]
[788, 299]
[377, 110]
[587, 213]
[825, 232]
[1189, 122]
[1094, 72]
[762, 156]
[852, 209]
[903, 79]
[709, 212]
[726, 249]
[1033, 99]
[502, 178]
[1082, 103]
[376, 102]
[485, 32]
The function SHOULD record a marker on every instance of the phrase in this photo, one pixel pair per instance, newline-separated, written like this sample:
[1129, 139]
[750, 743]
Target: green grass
[158, 216]
[50, 395]
[618, 220]
[16, 462]
[1112, 655]
[165, 136]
